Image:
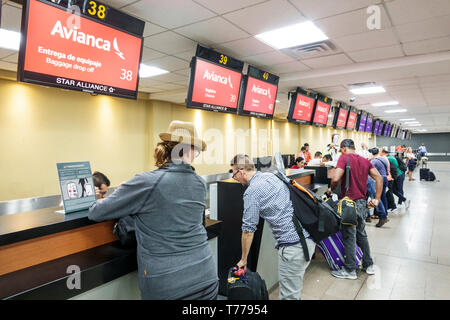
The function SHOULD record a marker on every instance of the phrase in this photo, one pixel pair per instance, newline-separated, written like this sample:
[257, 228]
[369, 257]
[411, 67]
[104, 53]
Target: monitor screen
[352, 117]
[302, 106]
[79, 53]
[380, 128]
[369, 124]
[340, 118]
[214, 82]
[260, 94]
[321, 111]
[362, 121]
[375, 127]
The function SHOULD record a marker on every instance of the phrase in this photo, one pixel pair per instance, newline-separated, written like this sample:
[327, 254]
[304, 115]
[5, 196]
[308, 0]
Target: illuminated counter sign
[85, 53]
[369, 123]
[321, 111]
[260, 89]
[214, 82]
[302, 106]
[352, 117]
[340, 117]
[362, 121]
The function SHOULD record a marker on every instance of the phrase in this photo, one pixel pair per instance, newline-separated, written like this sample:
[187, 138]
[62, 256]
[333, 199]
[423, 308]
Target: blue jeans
[398, 188]
[380, 210]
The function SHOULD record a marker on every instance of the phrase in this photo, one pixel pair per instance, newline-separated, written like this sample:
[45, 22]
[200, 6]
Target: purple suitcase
[332, 249]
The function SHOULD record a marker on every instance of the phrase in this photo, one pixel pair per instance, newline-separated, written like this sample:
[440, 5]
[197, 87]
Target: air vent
[311, 50]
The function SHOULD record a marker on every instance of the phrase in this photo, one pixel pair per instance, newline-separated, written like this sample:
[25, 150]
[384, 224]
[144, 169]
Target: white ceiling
[409, 55]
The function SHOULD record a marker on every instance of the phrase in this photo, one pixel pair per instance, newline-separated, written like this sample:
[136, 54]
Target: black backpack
[401, 164]
[430, 176]
[250, 287]
[311, 213]
[394, 172]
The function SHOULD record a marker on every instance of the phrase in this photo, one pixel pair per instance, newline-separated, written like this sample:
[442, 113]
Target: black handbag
[124, 229]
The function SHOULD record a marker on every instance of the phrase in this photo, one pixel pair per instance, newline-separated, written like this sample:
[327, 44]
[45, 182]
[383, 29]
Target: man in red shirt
[360, 168]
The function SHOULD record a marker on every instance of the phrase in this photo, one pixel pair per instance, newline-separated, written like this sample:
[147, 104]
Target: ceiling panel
[349, 23]
[327, 61]
[118, 3]
[215, 30]
[427, 46]
[170, 77]
[8, 66]
[11, 17]
[407, 11]
[150, 54]
[151, 29]
[245, 47]
[288, 67]
[431, 28]
[12, 58]
[169, 42]
[222, 7]
[270, 58]
[325, 8]
[184, 72]
[169, 14]
[169, 63]
[266, 16]
[4, 53]
[367, 40]
[375, 54]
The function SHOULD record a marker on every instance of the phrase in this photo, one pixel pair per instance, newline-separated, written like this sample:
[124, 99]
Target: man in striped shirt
[268, 197]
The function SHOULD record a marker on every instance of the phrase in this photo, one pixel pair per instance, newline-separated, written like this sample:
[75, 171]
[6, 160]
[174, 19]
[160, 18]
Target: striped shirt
[267, 196]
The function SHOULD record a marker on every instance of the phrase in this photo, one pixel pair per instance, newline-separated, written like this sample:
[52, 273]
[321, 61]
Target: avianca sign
[260, 96]
[87, 51]
[303, 108]
[215, 85]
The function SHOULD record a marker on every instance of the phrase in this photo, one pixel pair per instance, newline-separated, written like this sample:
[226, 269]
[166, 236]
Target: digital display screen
[369, 124]
[375, 127]
[351, 122]
[362, 121]
[341, 118]
[260, 94]
[77, 53]
[380, 128]
[302, 107]
[321, 111]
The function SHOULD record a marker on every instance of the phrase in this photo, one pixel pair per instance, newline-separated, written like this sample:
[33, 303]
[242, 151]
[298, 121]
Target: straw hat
[183, 132]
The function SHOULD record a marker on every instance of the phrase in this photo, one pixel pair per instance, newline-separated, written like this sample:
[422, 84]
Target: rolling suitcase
[332, 249]
[424, 173]
[246, 286]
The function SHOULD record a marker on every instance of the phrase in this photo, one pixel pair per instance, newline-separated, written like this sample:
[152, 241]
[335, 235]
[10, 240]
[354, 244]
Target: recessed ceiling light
[368, 90]
[411, 119]
[291, 36]
[146, 71]
[277, 101]
[411, 122]
[414, 125]
[396, 110]
[9, 39]
[387, 103]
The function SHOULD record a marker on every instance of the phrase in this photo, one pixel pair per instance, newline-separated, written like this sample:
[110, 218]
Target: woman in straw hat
[174, 257]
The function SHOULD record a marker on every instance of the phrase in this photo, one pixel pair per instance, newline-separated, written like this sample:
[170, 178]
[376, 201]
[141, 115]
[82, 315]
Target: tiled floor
[411, 252]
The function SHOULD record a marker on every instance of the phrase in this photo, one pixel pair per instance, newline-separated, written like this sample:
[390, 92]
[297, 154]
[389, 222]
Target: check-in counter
[323, 174]
[41, 249]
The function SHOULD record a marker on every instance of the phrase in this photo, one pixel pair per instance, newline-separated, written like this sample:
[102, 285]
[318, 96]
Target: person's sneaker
[381, 222]
[370, 270]
[407, 203]
[344, 274]
[368, 219]
[374, 217]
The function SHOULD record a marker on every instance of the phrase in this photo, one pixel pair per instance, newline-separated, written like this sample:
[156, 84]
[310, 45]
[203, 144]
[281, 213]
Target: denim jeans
[390, 195]
[398, 188]
[380, 210]
[353, 235]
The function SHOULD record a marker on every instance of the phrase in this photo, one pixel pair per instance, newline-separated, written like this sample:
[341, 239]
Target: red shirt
[359, 171]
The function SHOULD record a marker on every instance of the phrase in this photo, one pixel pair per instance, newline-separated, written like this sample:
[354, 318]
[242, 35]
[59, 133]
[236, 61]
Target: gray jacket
[174, 257]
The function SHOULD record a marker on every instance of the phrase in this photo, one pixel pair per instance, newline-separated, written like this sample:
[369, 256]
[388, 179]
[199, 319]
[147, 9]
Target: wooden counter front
[31, 252]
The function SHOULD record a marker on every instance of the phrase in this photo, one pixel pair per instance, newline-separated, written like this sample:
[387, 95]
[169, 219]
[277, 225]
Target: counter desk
[39, 247]
[39, 250]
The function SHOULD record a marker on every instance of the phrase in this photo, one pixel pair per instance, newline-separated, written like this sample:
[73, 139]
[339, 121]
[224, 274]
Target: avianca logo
[86, 39]
[218, 78]
[304, 103]
[259, 90]
[322, 109]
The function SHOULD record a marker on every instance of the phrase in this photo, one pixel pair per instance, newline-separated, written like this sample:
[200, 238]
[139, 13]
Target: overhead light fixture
[385, 104]
[277, 101]
[411, 119]
[292, 36]
[414, 125]
[411, 122]
[421, 130]
[396, 110]
[9, 39]
[368, 90]
[146, 71]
